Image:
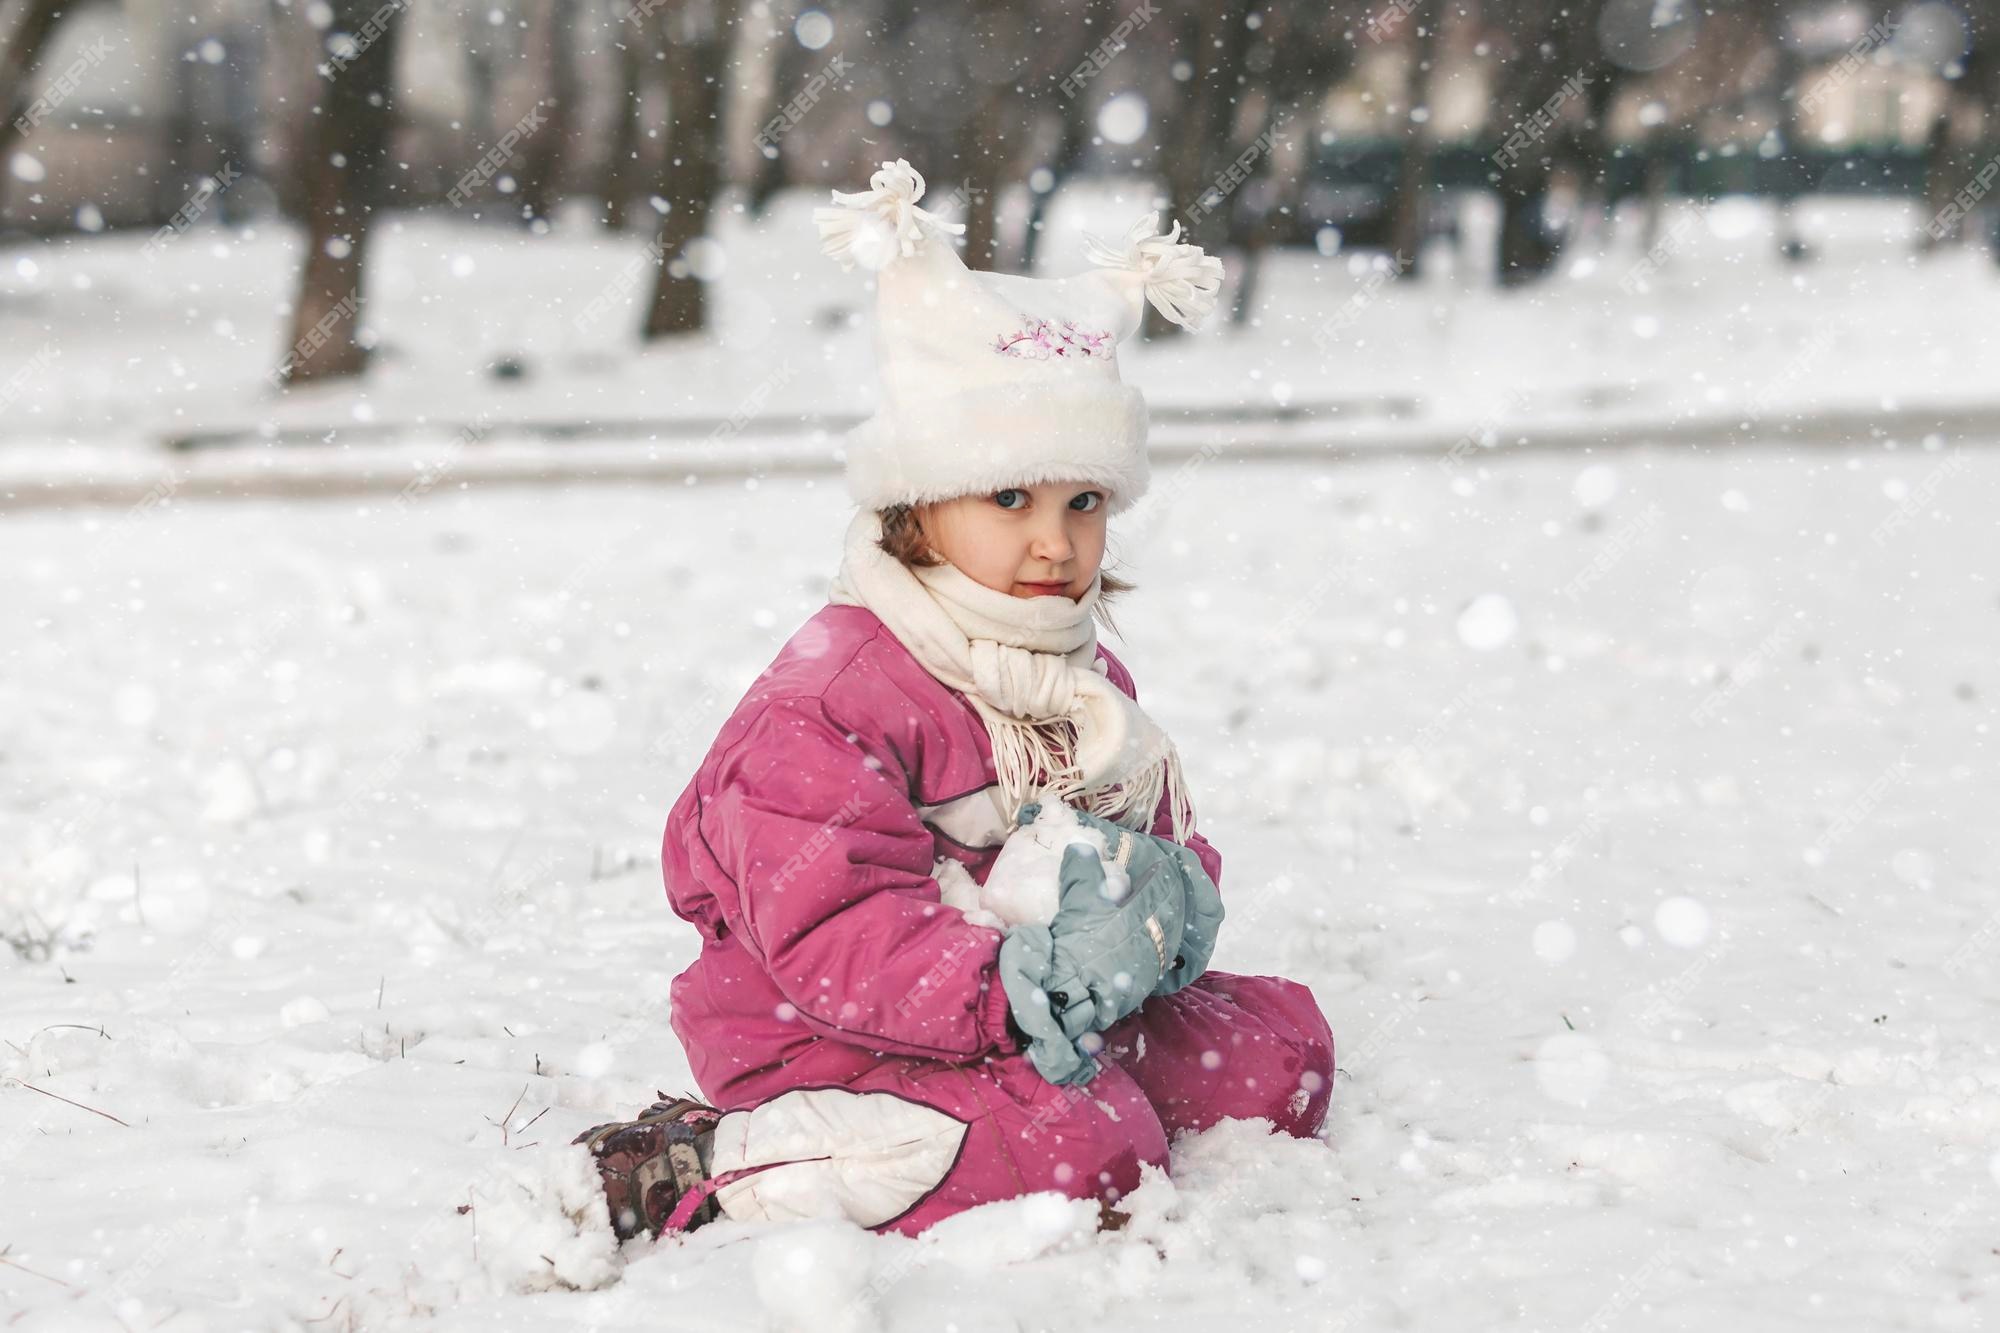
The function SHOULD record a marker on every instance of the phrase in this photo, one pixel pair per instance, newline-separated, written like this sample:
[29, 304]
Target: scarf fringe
[1039, 759]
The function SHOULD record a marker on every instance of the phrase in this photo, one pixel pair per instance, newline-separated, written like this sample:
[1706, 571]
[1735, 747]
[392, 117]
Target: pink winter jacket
[803, 852]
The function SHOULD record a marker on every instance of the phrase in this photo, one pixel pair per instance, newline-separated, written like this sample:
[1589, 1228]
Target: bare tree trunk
[18, 59]
[1406, 224]
[635, 43]
[294, 51]
[1787, 66]
[1074, 134]
[1659, 172]
[1532, 92]
[790, 65]
[1269, 229]
[346, 179]
[1983, 75]
[479, 128]
[1300, 53]
[1954, 153]
[1195, 136]
[1940, 179]
[542, 162]
[1260, 207]
[698, 34]
[174, 155]
[1587, 150]
[1526, 250]
[983, 172]
[980, 147]
[236, 111]
[981, 183]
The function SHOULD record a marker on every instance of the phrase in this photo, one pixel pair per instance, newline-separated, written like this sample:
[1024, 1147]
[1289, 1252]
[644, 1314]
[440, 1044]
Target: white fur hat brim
[984, 438]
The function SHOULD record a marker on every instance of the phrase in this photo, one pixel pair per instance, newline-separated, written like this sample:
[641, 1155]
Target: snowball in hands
[1023, 886]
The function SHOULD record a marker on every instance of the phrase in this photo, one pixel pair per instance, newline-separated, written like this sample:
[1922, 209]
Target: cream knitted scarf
[1029, 667]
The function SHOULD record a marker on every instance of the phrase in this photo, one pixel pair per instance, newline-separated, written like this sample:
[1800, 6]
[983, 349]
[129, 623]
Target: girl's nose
[1053, 544]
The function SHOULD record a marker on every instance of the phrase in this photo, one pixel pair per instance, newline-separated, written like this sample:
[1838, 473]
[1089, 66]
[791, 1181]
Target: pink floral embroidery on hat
[1041, 340]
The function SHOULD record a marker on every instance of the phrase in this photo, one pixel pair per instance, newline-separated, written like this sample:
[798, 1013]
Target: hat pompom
[1180, 279]
[876, 226]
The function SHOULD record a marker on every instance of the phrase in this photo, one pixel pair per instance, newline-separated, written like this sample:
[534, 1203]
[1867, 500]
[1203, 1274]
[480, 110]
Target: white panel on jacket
[879, 1154]
[973, 820]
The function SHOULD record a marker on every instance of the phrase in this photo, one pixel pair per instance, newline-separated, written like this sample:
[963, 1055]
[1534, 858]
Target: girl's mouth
[1047, 589]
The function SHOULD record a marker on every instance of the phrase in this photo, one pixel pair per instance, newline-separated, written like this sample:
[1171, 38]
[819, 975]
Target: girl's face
[1030, 541]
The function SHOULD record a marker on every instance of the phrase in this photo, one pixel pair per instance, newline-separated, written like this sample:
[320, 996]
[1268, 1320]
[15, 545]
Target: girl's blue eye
[1096, 498]
[1000, 498]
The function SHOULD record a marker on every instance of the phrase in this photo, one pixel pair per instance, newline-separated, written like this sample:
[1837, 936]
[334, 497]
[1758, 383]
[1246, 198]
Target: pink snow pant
[1222, 1046]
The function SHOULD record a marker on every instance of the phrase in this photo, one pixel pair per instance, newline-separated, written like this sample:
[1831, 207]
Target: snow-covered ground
[109, 346]
[1630, 816]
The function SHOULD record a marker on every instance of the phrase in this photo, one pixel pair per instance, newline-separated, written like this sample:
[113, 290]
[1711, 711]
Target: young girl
[866, 1049]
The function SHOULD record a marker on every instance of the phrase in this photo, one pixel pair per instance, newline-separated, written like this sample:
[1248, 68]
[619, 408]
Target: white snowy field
[1630, 816]
[109, 346]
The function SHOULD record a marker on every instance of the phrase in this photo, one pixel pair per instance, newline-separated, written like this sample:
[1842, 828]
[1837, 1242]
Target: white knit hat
[991, 380]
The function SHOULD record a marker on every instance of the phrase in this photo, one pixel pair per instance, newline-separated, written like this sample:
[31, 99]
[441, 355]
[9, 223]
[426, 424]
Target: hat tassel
[1180, 279]
[879, 224]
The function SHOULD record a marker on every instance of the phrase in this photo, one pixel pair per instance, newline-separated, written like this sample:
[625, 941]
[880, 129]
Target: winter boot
[656, 1169]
